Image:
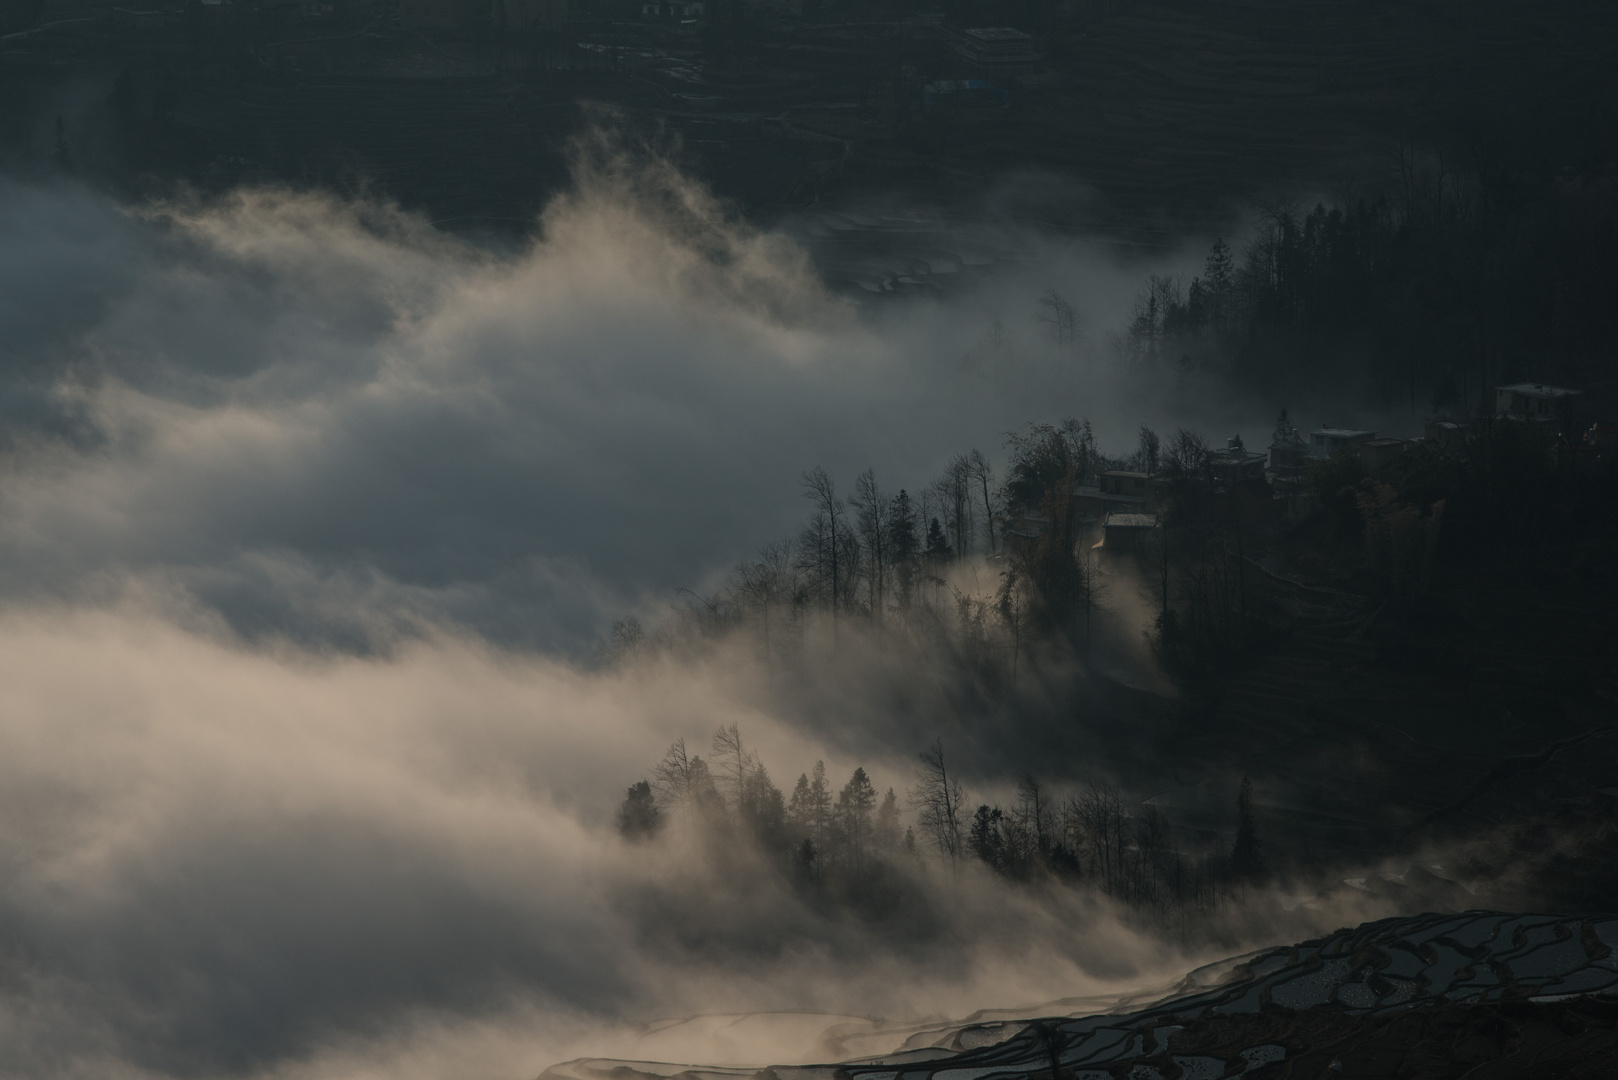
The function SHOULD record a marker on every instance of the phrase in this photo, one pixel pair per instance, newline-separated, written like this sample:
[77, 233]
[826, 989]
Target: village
[1119, 507]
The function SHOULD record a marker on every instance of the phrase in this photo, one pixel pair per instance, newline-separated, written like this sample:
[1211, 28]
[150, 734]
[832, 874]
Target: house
[1236, 464]
[1122, 482]
[1023, 533]
[1325, 442]
[1116, 489]
[1445, 436]
[1533, 401]
[1123, 533]
[1289, 460]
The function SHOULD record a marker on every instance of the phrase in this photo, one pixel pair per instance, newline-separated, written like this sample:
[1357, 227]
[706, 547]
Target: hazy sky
[303, 506]
[327, 421]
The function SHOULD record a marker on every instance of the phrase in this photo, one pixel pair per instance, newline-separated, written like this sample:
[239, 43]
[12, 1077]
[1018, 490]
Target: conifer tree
[855, 804]
[885, 833]
[638, 817]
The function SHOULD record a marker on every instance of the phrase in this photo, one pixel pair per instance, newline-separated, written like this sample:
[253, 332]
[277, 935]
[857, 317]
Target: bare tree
[1033, 812]
[734, 760]
[1057, 313]
[936, 798]
[765, 583]
[628, 637]
[980, 470]
[819, 490]
[1012, 605]
[951, 494]
[1093, 821]
[682, 779]
[1148, 455]
[872, 515]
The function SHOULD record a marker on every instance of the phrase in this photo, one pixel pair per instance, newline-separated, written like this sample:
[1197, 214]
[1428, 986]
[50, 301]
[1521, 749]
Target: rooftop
[1116, 520]
[1343, 433]
[1127, 472]
[1534, 389]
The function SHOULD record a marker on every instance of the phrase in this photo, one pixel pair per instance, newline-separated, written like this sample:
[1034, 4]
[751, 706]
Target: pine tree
[638, 817]
[853, 814]
[904, 545]
[984, 838]
[1284, 431]
[885, 834]
[938, 550]
[810, 806]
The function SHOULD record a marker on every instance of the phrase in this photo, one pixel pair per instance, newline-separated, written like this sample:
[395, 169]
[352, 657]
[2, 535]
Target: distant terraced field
[1178, 112]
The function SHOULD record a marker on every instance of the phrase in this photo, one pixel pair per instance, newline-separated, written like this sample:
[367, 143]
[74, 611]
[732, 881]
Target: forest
[853, 849]
[1469, 273]
[1220, 575]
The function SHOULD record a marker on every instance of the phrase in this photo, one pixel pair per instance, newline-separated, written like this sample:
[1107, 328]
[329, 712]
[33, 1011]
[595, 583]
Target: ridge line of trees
[850, 844]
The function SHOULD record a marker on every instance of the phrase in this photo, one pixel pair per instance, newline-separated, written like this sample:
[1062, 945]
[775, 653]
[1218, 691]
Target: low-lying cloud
[219, 860]
[328, 421]
[304, 507]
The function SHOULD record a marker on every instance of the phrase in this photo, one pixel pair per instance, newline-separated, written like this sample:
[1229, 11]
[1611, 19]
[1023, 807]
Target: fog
[223, 859]
[308, 512]
[329, 421]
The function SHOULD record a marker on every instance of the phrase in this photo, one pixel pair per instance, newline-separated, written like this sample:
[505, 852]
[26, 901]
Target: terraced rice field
[1400, 997]
[1177, 114]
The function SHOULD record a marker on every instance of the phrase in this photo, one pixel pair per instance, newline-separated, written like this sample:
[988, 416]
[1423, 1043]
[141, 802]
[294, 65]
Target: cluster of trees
[1496, 490]
[1092, 837]
[871, 552]
[854, 841]
[885, 560]
[814, 832]
[877, 557]
[1426, 297]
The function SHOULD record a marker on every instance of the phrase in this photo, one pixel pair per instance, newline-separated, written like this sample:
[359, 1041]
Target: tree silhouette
[638, 817]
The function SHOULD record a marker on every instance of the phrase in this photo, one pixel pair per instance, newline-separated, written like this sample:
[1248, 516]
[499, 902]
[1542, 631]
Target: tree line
[852, 843]
[1426, 296]
[885, 561]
